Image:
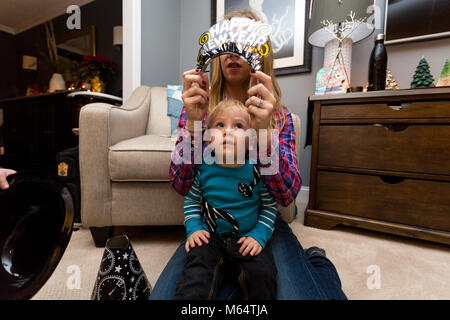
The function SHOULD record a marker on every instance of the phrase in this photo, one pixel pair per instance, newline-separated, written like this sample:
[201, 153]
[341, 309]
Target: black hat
[36, 220]
[120, 276]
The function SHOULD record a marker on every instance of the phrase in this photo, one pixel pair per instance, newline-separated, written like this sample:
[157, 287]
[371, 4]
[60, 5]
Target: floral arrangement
[97, 67]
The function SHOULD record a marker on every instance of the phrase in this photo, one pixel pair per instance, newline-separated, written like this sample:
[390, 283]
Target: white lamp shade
[321, 37]
[117, 35]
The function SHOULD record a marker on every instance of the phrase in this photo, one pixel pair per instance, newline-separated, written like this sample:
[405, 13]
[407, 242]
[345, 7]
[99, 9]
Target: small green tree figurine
[444, 79]
[422, 77]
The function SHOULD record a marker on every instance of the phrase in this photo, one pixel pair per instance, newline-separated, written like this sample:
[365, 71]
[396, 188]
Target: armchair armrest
[101, 126]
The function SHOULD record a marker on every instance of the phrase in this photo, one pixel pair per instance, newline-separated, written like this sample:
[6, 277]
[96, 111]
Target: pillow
[174, 105]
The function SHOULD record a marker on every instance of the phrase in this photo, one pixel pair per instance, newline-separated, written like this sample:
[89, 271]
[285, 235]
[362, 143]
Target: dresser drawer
[408, 148]
[395, 110]
[412, 202]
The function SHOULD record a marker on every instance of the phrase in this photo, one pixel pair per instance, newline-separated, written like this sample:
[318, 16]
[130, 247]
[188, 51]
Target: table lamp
[336, 25]
[118, 36]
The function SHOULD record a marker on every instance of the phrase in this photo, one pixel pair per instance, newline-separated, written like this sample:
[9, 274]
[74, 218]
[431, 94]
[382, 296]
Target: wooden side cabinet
[381, 161]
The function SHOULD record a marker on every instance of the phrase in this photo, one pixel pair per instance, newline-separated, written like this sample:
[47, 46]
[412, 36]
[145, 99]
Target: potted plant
[98, 70]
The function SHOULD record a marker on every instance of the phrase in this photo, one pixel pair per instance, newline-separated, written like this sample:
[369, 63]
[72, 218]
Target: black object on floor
[100, 235]
[120, 276]
[36, 220]
[68, 169]
[315, 251]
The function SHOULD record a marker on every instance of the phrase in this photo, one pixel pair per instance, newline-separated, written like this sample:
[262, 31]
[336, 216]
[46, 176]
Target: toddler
[229, 217]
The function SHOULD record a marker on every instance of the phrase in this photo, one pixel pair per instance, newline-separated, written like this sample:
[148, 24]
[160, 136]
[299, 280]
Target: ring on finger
[260, 102]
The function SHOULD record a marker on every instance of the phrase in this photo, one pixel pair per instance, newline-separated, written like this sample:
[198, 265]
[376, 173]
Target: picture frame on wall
[289, 21]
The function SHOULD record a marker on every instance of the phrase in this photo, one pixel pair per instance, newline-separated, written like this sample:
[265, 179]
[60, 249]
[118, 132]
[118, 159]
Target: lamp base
[331, 51]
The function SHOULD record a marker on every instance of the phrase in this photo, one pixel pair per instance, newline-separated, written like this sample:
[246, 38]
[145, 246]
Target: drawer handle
[402, 106]
[391, 179]
[393, 127]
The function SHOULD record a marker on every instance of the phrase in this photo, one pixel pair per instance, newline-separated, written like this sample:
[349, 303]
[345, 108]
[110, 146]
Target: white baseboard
[302, 202]
[303, 195]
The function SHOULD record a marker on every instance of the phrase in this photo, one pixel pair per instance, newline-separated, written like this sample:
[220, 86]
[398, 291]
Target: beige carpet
[405, 268]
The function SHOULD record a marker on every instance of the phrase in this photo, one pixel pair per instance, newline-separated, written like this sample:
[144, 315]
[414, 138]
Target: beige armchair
[124, 165]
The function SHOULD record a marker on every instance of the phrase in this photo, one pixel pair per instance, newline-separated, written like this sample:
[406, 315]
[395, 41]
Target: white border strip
[131, 46]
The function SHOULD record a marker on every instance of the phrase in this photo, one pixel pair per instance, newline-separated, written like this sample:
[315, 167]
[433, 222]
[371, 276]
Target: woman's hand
[249, 245]
[4, 173]
[261, 103]
[195, 98]
[196, 238]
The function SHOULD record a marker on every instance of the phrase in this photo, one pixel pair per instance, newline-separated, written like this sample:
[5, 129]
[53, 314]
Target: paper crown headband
[244, 37]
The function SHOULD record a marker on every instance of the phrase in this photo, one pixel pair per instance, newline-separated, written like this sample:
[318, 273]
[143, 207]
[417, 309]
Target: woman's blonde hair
[217, 78]
[222, 105]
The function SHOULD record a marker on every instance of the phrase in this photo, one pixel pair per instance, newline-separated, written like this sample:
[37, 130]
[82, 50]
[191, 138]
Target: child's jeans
[207, 266]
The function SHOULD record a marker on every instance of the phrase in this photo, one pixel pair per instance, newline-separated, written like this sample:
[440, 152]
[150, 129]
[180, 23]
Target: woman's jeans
[299, 276]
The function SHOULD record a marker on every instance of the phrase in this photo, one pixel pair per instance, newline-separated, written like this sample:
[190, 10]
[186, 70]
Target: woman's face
[235, 70]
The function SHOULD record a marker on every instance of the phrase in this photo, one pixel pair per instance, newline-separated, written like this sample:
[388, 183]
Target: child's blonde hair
[222, 105]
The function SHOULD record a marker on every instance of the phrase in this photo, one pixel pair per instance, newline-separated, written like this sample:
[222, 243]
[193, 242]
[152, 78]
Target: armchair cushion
[144, 158]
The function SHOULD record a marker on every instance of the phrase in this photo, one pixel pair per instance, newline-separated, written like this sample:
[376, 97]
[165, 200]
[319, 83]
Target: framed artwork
[77, 44]
[289, 21]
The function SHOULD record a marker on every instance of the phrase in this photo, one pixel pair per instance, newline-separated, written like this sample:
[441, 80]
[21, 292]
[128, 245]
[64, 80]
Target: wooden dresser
[381, 161]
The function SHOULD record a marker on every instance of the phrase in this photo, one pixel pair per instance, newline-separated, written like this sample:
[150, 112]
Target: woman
[300, 275]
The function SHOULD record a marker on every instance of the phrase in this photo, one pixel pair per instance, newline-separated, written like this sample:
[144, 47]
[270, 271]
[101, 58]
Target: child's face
[231, 124]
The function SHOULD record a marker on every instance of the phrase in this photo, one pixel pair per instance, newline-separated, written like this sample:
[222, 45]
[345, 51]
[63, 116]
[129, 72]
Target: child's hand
[249, 245]
[196, 238]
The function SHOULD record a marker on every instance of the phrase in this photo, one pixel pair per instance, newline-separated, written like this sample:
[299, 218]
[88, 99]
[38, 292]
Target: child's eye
[219, 125]
[239, 126]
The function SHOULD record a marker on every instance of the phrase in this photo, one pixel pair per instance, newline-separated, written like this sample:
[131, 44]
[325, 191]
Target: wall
[8, 64]
[160, 59]
[170, 31]
[32, 42]
[195, 17]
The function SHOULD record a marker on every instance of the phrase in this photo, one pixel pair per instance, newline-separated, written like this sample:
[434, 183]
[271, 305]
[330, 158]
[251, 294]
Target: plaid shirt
[284, 185]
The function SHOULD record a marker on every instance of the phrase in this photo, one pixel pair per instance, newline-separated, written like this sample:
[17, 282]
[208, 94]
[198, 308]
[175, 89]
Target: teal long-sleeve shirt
[219, 186]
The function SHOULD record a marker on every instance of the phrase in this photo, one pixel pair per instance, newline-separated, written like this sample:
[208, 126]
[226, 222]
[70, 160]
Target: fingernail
[253, 71]
[197, 70]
